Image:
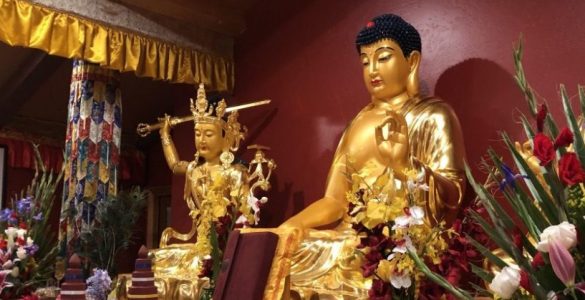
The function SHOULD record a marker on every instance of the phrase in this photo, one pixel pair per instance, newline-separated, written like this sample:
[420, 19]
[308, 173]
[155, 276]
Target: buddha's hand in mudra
[392, 141]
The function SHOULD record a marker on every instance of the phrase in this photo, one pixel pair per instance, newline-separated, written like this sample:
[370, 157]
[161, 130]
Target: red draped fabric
[21, 155]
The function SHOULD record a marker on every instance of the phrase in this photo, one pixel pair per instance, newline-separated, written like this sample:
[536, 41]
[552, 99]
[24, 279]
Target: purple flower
[509, 178]
[38, 217]
[23, 205]
[5, 215]
[99, 285]
[31, 249]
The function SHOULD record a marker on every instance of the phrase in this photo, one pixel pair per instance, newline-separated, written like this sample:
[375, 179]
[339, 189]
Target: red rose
[564, 139]
[570, 170]
[543, 149]
[540, 117]
[538, 261]
[525, 281]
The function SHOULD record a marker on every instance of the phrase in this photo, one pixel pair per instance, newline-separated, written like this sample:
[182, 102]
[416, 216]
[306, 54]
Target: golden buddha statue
[217, 192]
[398, 129]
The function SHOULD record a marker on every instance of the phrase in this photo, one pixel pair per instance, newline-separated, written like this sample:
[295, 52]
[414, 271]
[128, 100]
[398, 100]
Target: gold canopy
[58, 33]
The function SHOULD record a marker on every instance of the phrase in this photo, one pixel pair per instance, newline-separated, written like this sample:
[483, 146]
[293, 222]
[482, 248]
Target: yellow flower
[218, 181]
[396, 208]
[219, 210]
[405, 264]
[383, 180]
[376, 213]
[384, 270]
[386, 231]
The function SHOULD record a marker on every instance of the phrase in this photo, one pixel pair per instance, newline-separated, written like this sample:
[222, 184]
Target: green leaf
[578, 143]
[536, 189]
[487, 253]
[438, 279]
[582, 98]
[482, 273]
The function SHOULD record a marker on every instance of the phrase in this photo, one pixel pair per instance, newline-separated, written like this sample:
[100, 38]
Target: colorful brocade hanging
[92, 148]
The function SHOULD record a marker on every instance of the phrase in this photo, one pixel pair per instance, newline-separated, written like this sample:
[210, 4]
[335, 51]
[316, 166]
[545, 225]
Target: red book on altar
[246, 266]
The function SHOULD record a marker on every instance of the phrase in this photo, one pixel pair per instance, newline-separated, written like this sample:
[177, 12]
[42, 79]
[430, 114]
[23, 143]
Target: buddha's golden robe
[326, 263]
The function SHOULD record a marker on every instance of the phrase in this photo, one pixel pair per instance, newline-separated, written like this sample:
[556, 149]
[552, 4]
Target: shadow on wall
[487, 101]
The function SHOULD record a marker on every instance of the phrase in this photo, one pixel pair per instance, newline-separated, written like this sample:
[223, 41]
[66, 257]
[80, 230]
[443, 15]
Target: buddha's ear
[412, 84]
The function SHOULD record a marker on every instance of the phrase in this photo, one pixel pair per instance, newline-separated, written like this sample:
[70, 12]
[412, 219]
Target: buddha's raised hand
[392, 141]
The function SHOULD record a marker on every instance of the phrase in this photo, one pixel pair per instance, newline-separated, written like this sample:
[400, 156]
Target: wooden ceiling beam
[205, 14]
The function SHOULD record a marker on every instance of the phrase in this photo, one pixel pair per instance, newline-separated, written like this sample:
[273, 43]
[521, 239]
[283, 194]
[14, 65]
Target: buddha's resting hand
[392, 141]
[294, 224]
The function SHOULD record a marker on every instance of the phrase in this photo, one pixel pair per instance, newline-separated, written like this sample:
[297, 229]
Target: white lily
[401, 281]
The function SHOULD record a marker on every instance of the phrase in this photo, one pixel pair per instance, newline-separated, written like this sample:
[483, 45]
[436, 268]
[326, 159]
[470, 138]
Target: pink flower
[562, 262]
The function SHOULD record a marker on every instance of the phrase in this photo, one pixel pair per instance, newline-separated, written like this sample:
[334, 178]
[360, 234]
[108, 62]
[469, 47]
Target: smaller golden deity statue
[218, 192]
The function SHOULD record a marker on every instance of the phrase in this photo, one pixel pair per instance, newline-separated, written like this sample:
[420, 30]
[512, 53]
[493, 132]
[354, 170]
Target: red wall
[302, 56]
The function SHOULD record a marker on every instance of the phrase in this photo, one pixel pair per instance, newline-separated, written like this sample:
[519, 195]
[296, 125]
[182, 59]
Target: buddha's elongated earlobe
[412, 82]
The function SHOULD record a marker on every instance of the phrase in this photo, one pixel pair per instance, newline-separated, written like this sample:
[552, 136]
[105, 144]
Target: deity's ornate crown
[203, 113]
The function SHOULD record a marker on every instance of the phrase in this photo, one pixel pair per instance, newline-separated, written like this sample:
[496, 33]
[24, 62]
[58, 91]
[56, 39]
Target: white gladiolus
[10, 234]
[15, 272]
[21, 232]
[21, 253]
[506, 282]
[564, 233]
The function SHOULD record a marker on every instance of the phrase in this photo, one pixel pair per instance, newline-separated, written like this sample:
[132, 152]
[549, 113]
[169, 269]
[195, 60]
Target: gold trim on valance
[25, 24]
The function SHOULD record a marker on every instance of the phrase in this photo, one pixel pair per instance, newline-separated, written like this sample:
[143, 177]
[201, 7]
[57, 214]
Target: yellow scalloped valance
[25, 24]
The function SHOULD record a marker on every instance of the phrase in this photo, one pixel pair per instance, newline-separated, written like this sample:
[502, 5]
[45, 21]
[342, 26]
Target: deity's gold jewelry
[226, 158]
[165, 139]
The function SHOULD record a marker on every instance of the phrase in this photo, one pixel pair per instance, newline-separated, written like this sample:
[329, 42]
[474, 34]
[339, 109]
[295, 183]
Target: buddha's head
[213, 134]
[390, 51]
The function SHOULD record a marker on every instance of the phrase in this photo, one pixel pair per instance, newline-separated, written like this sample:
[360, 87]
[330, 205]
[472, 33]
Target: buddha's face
[208, 141]
[385, 69]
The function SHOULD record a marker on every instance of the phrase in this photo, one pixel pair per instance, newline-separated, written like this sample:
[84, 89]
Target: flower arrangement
[390, 220]
[549, 196]
[27, 245]
[540, 247]
[99, 285]
[217, 217]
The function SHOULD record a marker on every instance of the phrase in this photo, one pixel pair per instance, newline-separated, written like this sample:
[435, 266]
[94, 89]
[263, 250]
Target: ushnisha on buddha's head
[390, 51]
[213, 135]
